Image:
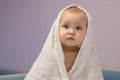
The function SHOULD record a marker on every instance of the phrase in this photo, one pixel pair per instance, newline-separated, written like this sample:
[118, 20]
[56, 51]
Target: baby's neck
[70, 54]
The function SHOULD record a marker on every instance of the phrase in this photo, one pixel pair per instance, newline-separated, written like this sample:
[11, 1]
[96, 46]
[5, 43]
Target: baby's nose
[71, 31]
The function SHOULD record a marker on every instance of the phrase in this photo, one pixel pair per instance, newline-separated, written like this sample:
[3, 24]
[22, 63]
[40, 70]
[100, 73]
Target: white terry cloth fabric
[50, 63]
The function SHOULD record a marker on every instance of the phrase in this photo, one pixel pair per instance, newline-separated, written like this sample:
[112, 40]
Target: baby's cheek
[80, 37]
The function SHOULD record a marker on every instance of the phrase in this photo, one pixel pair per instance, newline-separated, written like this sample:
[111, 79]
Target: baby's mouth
[70, 38]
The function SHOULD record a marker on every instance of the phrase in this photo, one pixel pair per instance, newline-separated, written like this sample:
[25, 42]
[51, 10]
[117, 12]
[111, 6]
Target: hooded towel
[50, 63]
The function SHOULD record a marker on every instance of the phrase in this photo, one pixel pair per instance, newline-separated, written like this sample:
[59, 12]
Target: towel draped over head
[50, 64]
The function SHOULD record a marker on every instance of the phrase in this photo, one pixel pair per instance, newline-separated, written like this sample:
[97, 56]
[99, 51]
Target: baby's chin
[79, 45]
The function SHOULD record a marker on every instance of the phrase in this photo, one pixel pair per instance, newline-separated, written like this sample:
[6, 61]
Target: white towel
[50, 63]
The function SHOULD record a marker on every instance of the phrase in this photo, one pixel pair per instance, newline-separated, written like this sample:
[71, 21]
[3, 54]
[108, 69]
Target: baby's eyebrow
[67, 22]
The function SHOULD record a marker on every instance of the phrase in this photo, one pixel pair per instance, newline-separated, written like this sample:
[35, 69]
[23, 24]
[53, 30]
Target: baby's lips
[71, 38]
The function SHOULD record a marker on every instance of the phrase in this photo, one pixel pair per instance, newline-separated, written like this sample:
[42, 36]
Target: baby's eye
[78, 28]
[65, 26]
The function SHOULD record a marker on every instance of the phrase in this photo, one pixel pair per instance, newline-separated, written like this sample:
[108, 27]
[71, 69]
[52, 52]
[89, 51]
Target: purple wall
[24, 26]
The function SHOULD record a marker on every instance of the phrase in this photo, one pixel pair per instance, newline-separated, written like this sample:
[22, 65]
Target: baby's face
[72, 28]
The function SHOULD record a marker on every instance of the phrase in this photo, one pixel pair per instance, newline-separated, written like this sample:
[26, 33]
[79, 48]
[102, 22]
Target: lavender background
[24, 26]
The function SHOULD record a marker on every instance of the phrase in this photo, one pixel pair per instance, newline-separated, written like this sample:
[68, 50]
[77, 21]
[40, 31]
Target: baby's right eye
[65, 26]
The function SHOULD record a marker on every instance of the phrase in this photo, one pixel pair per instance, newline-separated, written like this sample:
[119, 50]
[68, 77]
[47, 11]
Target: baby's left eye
[78, 28]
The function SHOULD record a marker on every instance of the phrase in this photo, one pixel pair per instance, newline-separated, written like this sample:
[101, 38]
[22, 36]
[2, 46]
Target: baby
[69, 52]
[72, 29]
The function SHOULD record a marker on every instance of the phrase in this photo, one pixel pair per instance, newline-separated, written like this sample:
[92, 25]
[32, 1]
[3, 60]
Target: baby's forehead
[74, 13]
[74, 10]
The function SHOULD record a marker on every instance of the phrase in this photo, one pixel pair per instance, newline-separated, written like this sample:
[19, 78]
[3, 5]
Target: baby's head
[72, 27]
